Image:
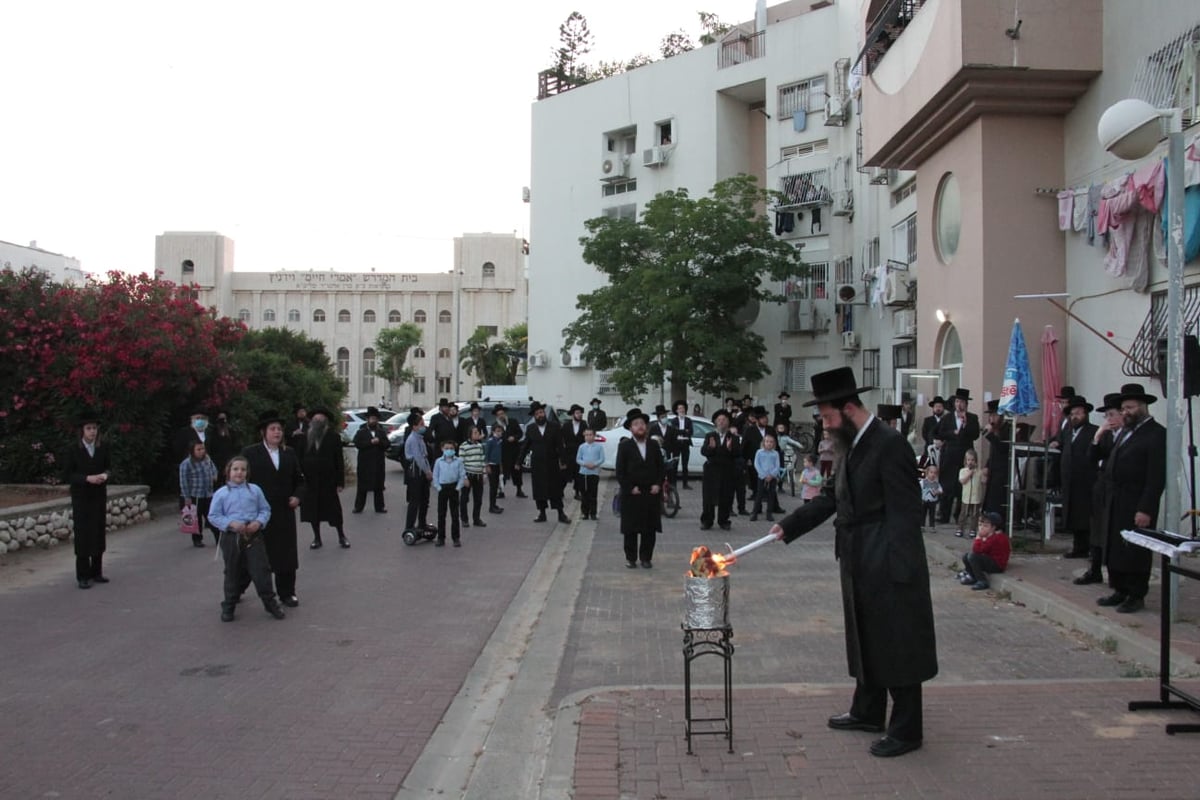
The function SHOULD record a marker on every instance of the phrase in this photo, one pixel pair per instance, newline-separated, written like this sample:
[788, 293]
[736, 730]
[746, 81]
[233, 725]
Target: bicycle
[670, 495]
[787, 469]
[805, 434]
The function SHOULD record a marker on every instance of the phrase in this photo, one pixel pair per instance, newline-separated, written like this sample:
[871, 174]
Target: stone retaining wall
[48, 524]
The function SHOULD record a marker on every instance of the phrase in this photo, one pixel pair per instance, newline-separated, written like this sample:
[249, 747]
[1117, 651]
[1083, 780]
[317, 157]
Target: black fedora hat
[833, 385]
[632, 414]
[87, 416]
[325, 412]
[1065, 393]
[534, 407]
[576, 407]
[268, 417]
[887, 412]
[595, 401]
[1079, 402]
[962, 394]
[474, 405]
[372, 411]
[660, 410]
[443, 402]
[413, 419]
[1112, 402]
[720, 412]
[937, 399]
[496, 409]
[784, 394]
[993, 406]
[1134, 391]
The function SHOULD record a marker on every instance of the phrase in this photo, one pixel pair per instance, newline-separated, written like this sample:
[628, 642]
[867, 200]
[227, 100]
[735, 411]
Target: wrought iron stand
[698, 642]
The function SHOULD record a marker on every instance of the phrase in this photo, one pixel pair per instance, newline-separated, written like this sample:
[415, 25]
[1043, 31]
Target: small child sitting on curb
[989, 552]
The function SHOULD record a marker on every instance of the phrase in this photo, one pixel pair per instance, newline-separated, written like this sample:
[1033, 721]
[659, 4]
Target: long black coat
[929, 427]
[597, 420]
[642, 512]
[885, 578]
[1078, 469]
[669, 435]
[957, 442]
[571, 441]
[324, 473]
[995, 493]
[89, 502]
[278, 485]
[372, 458]
[546, 454]
[1135, 475]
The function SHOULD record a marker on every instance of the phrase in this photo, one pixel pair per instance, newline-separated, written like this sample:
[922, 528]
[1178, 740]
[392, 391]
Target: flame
[707, 564]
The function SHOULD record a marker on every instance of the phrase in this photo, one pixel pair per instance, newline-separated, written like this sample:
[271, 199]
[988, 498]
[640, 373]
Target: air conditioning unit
[837, 110]
[653, 157]
[896, 291]
[538, 359]
[572, 358]
[843, 203]
[850, 293]
[614, 168]
[801, 315]
[849, 340]
[906, 322]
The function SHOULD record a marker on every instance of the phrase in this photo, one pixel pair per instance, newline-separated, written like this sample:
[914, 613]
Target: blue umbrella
[1018, 395]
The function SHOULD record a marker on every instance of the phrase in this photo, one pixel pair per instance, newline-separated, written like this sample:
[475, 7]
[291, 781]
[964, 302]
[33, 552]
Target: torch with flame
[707, 564]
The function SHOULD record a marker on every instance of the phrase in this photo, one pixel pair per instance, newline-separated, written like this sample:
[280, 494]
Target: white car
[701, 427]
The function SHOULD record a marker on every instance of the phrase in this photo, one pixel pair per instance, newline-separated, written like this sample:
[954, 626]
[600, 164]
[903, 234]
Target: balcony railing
[804, 189]
[884, 30]
[740, 48]
[552, 82]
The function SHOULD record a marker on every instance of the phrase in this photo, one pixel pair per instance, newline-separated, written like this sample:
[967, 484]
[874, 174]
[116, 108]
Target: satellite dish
[747, 314]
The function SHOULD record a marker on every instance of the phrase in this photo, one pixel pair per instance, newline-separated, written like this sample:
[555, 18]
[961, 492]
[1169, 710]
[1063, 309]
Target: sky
[351, 136]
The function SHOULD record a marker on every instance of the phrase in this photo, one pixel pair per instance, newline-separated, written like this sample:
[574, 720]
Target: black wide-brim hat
[833, 385]
[720, 412]
[1065, 393]
[268, 417]
[887, 412]
[576, 407]
[962, 394]
[87, 416]
[323, 411]
[1079, 402]
[595, 401]
[1134, 391]
[993, 406]
[632, 414]
[372, 411]
[784, 394]
[937, 399]
[1112, 402]
[660, 409]
[534, 407]
[496, 409]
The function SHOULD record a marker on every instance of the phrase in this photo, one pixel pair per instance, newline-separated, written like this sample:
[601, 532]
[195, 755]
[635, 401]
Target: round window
[947, 214]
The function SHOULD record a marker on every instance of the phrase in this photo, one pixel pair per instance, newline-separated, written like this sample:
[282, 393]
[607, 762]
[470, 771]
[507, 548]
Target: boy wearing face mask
[449, 477]
[194, 431]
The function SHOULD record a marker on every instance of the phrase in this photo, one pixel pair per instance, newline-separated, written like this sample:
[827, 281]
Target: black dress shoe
[457, 543]
[344, 542]
[440, 543]
[99, 579]
[630, 565]
[479, 523]
[706, 526]
[1086, 578]
[495, 510]
[521, 494]
[562, 517]
[227, 616]
[315, 545]
[1114, 599]
[291, 601]
[356, 511]
[1131, 605]
[846, 722]
[540, 517]
[887, 747]
[84, 584]
[647, 565]
[724, 525]
[1084, 554]
[273, 609]
[466, 523]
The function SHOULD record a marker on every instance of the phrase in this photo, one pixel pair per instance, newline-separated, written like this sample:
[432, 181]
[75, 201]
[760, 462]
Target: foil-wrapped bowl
[706, 603]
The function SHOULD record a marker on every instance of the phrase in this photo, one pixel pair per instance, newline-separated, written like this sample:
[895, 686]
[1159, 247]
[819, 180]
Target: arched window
[318, 315]
[368, 316]
[444, 352]
[368, 373]
[294, 315]
[343, 315]
[418, 316]
[951, 361]
[343, 367]
[188, 266]
[443, 316]
[269, 315]
[419, 352]
[489, 269]
[244, 314]
[394, 316]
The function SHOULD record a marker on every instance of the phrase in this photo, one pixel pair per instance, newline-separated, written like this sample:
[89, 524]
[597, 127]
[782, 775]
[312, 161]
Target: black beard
[843, 435]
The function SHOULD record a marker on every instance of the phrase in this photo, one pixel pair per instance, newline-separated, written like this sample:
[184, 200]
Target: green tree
[391, 352]
[703, 261]
[713, 28]
[675, 43]
[495, 362]
[575, 42]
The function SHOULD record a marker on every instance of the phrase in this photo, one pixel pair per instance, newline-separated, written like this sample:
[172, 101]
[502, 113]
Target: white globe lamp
[1130, 129]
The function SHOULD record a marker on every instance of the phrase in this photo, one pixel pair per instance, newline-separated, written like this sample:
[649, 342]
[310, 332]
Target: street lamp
[1131, 129]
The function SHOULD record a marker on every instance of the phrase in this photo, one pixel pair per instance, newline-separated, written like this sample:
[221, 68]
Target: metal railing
[742, 48]
[883, 31]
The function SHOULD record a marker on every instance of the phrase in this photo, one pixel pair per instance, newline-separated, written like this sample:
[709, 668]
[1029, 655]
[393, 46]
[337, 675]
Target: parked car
[517, 411]
[355, 418]
[701, 427]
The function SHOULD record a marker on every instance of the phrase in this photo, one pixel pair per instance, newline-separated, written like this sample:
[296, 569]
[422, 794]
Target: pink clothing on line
[1149, 183]
[1066, 208]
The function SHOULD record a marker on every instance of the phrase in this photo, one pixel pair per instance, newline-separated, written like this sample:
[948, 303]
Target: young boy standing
[493, 455]
[471, 453]
[766, 466]
[590, 457]
[931, 493]
[989, 553]
[449, 477]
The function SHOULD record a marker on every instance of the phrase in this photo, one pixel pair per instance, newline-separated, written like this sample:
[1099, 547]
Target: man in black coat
[372, 443]
[86, 468]
[195, 431]
[958, 431]
[906, 414]
[890, 641]
[324, 466]
[783, 411]
[220, 441]
[996, 470]
[443, 425]
[597, 420]
[640, 472]
[1102, 442]
[275, 468]
[930, 424]
[543, 442]
[667, 434]
[1078, 470]
[721, 449]
[684, 432]
[572, 437]
[473, 421]
[1135, 474]
[295, 433]
[510, 451]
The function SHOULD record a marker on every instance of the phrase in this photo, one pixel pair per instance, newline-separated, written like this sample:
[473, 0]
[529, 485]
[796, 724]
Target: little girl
[972, 493]
[240, 511]
[810, 478]
[825, 453]
[931, 492]
[197, 477]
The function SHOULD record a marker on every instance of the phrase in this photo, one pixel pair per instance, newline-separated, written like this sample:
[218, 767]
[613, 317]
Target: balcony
[552, 82]
[885, 29]
[804, 190]
[739, 47]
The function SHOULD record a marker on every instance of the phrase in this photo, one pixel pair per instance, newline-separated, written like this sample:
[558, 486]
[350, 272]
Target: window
[664, 132]
[269, 315]
[343, 315]
[419, 316]
[904, 356]
[623, 142]
[813, 286]
[318, 315]
[243, 314]
[394, 316]
[443, 385]
[444, 352]
[845, 270]
[368, 372]
[618, 187]
[490, 330]
[188, 266]
[443, 316]
[795, 375]
[418, 386]
[802, 150]
[418, 352]
[904, 192]
[1170, 76]
[870, 367]
[806, 188]
[873, 259]
[628, 212]
[489, 269]
[808, 95]
[951, 360]
[368, 316]
[947, 215]
[343, 367]
[904, 240]
[293, 315]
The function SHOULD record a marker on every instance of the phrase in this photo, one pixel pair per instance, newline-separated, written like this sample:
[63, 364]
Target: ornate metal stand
[698, 642]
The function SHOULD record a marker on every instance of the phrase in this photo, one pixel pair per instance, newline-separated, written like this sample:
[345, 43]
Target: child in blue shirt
[493, 453]
[766, 465]
[449, 477]
[589, 457]
[240, 511]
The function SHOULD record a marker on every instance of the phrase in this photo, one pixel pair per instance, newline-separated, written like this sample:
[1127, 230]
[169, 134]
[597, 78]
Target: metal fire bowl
[706, 603]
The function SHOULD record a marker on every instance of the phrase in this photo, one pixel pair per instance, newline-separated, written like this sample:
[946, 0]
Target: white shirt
[90, 447]
[862, 430]
[641, 446]
[274, 453]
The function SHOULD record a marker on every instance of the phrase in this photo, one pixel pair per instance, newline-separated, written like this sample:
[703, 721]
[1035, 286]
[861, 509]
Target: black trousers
[418, 503]
[870, 705]
[285, 582]
[717, 494]
[640, 551]
[930, 512]
[684, 454]
[360, 498]
[1081, 541]
[88, 567]
[979, 565]
[512, 470]
[244, 566]
[447, 501]
[493, 478]
[591, 487]
[768, 492]
[739, 484]
[1133, 584]
[473, 489]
